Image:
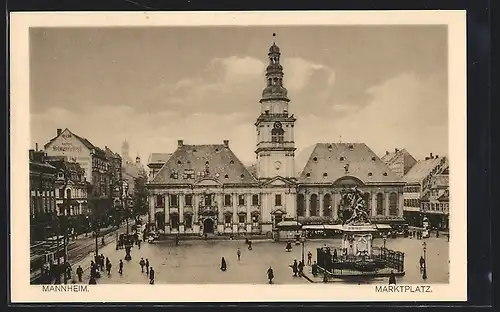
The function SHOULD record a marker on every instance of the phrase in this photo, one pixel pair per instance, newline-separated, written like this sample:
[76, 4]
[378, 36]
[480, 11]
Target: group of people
[150, 272]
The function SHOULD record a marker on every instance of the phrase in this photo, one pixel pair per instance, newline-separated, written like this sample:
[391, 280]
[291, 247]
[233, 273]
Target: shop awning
[313, 227]
[333, 227]
[289, 224]
[383, 226]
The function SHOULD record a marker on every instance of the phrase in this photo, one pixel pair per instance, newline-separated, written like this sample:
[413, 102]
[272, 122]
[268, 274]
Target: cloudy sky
[385, 86]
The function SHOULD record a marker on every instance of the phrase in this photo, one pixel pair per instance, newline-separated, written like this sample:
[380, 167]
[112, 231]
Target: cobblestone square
[198, 262]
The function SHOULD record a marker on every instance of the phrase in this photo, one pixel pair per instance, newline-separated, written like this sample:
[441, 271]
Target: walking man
[295, 267]
[422, 262]
[301, 268]
[142, 264]
[151, 276]
[238, 253]
[147, 266]
[108, 267]
[309, 257]
[120, 270]
[270, 275]
[79, 273]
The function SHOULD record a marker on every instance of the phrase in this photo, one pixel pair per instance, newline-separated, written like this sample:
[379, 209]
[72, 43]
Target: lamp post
[385, 239]
[303, 241]
[424, 273]
[124, 198]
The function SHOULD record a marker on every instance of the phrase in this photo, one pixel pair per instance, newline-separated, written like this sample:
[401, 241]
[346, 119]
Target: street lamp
[124, 198]
[303, 241]
[385, 239]
[424, 273]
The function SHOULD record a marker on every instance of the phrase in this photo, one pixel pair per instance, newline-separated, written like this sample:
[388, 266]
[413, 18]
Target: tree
[140, 196]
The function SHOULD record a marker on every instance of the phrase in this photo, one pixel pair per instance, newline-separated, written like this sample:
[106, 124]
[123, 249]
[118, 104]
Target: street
[198, 262]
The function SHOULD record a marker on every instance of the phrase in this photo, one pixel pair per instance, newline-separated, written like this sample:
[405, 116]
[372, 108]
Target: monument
[356, 225]
[357, 255]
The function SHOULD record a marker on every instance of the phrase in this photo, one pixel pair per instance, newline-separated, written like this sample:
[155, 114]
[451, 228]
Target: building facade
[333, 167]
[43, 209]
[420, 184]
[400, 161]
[94, 162]
[205, 189]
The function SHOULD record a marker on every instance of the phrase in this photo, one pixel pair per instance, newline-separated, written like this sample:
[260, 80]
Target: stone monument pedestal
[357, 239]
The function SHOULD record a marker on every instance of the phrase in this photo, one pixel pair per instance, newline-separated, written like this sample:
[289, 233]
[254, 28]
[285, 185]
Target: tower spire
[274, 76]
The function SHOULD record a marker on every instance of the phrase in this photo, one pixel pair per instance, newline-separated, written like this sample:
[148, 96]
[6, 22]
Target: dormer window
[342, 158]
[216, 150]
[207, 163]
[370, 174]
[231, 162]
[226, 177]
[179, 162]
[242, 176]
[315, 158]
[330, 147]
[325, 175]
[308, 175]
[217, 175]
[373, 158]
[385, 174]
[351, 147]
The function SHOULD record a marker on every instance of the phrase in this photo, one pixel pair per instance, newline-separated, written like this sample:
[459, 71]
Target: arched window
[393, 204]
[380, 204]
[327, 200]
[367, 199]
[300, 205]
[277, 135]
[314, 205]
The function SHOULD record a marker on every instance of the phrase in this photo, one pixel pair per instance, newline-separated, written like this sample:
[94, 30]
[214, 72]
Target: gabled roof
[252, 169]
[421, 170]
[441, 180]
[328, 160]
[159, 158]
[218, 159]
[388, 157]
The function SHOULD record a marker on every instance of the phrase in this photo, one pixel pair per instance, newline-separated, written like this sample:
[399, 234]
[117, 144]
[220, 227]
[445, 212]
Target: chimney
[226, 143]
[59, 132]
[430, 156]
[427, 158]
[437, 156]
[387, 152]
[32, 154]
[396, 150]
[180, 143]
[36, 146]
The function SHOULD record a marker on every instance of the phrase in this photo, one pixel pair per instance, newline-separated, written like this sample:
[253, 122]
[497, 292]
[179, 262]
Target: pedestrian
[177, 240]
[249, 245]
[92, 281]
[422, 262]
[335, 255]
[120, 270]
[392, 278]
[314, 269]
[93, 269]
[142, 263]
[151, 276]
[301, 268]
[108, 267]
[102, 262]
[295, 267]
[79, 273]
[223, 265]
[102, 241]
[437, 233]
[238, 253]
[270, 275]
[139, 243]
[147, 266]
[309, 257]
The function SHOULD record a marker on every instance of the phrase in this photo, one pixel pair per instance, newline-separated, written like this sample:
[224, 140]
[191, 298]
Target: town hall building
[206, 189]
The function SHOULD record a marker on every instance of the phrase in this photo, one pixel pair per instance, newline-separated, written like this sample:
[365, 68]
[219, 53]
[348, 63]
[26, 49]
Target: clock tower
[275, 149]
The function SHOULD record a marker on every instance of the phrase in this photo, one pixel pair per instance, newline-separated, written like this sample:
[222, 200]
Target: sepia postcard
[278, 156]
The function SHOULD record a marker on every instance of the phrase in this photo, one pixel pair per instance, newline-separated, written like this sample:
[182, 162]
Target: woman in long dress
[223, 265]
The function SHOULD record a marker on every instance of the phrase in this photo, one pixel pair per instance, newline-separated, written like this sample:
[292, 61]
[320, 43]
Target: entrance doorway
[208, 226]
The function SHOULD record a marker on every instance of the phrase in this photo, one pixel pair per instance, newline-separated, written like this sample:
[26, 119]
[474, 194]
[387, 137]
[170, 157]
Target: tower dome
[274, 49]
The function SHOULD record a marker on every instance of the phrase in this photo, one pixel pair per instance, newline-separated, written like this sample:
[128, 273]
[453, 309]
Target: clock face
[277, 125]
[277, 165]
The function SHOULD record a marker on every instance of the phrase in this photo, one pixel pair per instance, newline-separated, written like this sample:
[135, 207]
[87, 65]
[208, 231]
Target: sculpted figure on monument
[352, 201]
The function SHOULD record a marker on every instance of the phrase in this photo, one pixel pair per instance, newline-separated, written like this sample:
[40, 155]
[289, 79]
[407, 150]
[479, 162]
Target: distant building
[400, 161]
[333, 167]
[42, 197]
[155, 162]
[132, 171]
[421, 181]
